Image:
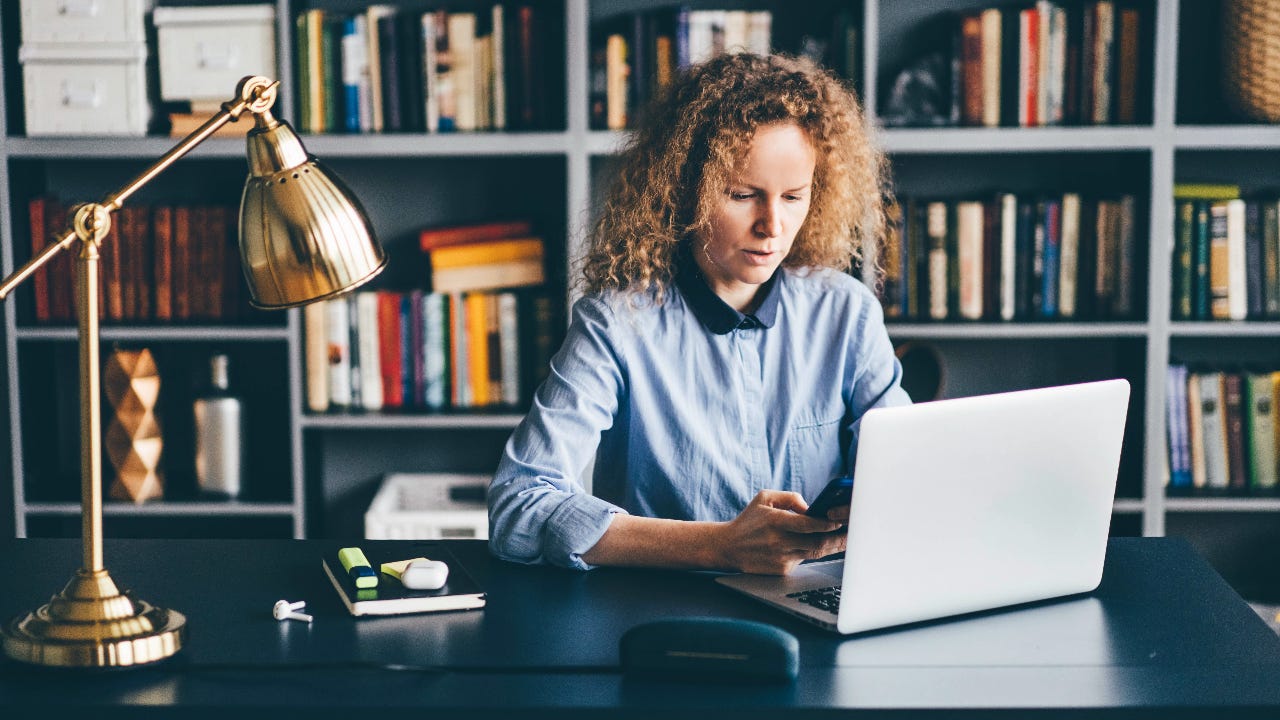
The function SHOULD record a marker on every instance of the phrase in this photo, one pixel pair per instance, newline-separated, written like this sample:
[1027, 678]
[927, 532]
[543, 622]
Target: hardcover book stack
[1050, 63]
[388, 69]
[1222, 430]
[1012, 257]
[1226, 254]
[161, 263]
[482, 337]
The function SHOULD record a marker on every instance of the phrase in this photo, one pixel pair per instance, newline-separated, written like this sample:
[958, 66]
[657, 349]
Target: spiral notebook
[390, 597]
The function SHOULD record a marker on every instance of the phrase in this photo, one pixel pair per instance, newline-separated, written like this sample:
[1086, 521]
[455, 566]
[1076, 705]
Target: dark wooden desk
[1163, 636]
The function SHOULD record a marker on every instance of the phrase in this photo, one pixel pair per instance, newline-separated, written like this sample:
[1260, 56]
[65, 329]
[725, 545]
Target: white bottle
[219, 450]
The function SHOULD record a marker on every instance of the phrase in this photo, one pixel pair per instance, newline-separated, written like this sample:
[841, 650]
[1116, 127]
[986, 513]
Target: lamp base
[92, 624]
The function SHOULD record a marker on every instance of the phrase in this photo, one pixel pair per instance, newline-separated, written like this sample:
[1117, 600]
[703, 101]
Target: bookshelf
[326, 465]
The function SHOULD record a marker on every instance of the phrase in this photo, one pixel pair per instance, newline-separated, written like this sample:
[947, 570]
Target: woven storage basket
[1251, 58]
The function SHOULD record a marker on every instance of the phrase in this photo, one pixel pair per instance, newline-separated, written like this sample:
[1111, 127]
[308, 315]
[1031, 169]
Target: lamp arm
[255, 94]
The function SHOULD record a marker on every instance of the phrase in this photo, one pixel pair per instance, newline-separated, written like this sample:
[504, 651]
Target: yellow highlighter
[357, 566]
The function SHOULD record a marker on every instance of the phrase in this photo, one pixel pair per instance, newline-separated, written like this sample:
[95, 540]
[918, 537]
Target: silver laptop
[966, 505]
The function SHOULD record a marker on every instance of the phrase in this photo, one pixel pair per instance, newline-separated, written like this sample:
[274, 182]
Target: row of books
[388, 69]
[158, 263]
[386, 350]
[1049, 63]
[1012, 258]
[1222, 433]
[483, 256]
[635, 54]
[1226, 255]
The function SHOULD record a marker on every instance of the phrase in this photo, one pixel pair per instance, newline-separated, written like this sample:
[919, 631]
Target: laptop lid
[982, 502]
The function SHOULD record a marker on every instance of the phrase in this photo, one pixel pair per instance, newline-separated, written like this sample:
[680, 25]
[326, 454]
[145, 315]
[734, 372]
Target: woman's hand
[772, 534]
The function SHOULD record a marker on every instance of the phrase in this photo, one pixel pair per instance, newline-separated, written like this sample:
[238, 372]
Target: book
[487, 253]
[1195, 432]
[1260, 419]
[316, 356]
[391, 597]
[1214, 430]
[509, 274]
[434, 238]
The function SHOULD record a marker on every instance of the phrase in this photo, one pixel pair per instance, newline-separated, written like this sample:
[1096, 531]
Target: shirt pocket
[816, 450]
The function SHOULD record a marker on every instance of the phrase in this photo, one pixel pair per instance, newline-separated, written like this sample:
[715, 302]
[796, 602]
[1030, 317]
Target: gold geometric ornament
[133, 441]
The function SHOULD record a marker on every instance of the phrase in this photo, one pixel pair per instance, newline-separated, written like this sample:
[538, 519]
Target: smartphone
[837, 492]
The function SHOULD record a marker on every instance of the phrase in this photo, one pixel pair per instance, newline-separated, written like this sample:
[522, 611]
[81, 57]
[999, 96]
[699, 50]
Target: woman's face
[758, 215]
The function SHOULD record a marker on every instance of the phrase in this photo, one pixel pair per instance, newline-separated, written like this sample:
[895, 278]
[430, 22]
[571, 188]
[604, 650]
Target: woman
[720, 359]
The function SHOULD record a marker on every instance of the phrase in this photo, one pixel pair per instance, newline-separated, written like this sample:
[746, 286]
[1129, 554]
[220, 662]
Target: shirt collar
[713, 312]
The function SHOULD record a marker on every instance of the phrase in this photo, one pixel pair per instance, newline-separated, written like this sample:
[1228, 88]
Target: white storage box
[428, 506]
[205, 51]
[77, 21]
[92, 89]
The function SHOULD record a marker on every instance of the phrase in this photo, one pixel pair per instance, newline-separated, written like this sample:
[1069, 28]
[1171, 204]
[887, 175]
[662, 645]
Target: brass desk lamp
[303, 238]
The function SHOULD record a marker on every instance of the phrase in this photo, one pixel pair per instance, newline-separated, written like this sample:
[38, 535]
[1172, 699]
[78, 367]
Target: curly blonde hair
[688, 145]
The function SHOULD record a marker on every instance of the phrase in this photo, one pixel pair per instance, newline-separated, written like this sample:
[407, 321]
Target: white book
[735, 31]
[1237, 293]
[760, 32]
[462, 50]
[498, 67]
[338, 334]
[509, 348]
[430, 61]
[969, 232]
[368, 351]
[316, 360]
[355, 61]
[1008, 255]
[1068, 255]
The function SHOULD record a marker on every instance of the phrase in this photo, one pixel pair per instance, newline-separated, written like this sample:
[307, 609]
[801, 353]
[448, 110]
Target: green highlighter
[357, 566]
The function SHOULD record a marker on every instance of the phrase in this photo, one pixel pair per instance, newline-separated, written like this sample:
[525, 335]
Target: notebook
[966, 505]
[460, 592]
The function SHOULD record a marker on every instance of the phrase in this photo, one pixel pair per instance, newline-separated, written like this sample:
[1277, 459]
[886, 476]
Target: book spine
[1202, 247]
[1271, 258]
[430, 63]
[1175, 388]
[458, 344]
[162, 261]
[372, 393]
[1126, 263]
[1214, 428]
[1261, 414]
[991, 59]
[435, 318]
[41, 236]
[353, 344]
[510, 350]
[1069, 246]
[1253, 265]
[969, 228]
[355, 56]
[1195, 432]
[1237, 292]
[418, 352]
[937, 234]
[316, 357]
[408, 348]
[1052, 252]
[1183, 267]
[389, 349]
[498, 88]
[338, 335]
[1233, 414]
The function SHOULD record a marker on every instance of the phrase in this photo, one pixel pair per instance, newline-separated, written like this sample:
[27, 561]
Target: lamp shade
[303, 235]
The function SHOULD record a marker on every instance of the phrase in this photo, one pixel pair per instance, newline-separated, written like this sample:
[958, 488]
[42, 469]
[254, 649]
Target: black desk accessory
[708, 647]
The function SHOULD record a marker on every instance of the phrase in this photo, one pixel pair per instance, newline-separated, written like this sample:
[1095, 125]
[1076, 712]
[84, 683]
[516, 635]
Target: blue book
[1052, 247]
[354, 60]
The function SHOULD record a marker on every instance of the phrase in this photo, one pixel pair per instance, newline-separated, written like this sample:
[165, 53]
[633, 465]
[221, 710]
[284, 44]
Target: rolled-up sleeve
[539, 511]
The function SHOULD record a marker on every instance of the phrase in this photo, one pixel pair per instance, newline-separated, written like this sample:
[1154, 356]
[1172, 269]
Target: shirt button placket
[756, 442]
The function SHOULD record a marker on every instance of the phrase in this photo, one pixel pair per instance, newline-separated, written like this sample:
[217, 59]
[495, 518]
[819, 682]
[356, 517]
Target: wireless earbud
[285, 610]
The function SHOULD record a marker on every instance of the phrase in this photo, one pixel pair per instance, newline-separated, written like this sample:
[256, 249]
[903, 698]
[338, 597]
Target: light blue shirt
[690, 409]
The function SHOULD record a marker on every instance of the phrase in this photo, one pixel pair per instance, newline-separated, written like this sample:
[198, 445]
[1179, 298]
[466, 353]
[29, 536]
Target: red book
[162, 265]
[1029, 69]
[431, 238]
[40, 233]
[216, 265]
[971, 69]
[389, 349]
[182, 252]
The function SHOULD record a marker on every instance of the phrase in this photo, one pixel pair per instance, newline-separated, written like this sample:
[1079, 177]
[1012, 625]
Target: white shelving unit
[412, 180]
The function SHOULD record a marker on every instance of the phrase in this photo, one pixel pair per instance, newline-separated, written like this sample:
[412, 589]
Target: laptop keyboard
[826, 599]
